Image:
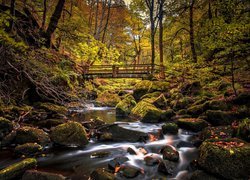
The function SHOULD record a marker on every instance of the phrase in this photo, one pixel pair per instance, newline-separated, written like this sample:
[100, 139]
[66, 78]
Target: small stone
[100, 154]
[151, 160]
[131, 151]
[170, 128]
[38, 175]
[170, 153]
[129, 171]
[28, 149]
[101, 174]
[117, 162]
[167, 167]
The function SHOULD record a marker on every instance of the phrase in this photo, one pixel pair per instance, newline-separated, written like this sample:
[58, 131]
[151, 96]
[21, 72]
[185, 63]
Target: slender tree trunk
[12, 13]
[44, 13]
[107, 22]
[54, 21]
[232, 73]
[99, 28]
[210, 15]
[96, 16]
[161, 31]
[152, 37]
[191, 31]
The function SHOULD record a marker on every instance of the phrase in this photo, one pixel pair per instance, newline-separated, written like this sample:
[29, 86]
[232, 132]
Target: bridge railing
[116, 70]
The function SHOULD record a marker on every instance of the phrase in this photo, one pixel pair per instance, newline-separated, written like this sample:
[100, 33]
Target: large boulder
[227, 158]
[53, 108]
[107, 98]
[192, 124]
[243, 130]
[31, 135]
[170, 128]
[15, 171]
[191, 88]
[196, 110]
[146, 112]
[116, 133]
[39, 175]
[159, 101]
[27, 149]
[218, 117]
[69, 134]
[6, 126]
[124, 107]
[142, 88]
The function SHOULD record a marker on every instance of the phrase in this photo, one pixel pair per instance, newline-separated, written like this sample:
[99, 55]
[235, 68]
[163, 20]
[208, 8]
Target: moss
[243, 130]
[108, 98]
[159, 101]
[142, 88]
[49, 123]
[218, 117]
[227, 158]
[124, 107]
[69, 134]
[16, 170]
[170, 128]
[53, 108]
[31, 135]
[182, 103]
[28, 149]
[146, 112]
[6, 126]
[192, 124]
[196, 110]
[201, 175]
[151, 95]
[167, 115]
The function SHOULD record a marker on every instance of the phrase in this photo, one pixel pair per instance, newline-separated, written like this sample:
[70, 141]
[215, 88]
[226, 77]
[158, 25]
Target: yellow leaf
[231, 152]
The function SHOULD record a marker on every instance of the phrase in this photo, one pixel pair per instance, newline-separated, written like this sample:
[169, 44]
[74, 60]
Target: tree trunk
[96, 16]
[12, 13]
[191, 31]
[44, 13]
[54, 21]
[107, 22]
[161, 31]
[152, 28]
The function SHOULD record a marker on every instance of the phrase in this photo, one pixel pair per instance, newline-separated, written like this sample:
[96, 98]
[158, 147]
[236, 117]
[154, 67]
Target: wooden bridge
[122, 71]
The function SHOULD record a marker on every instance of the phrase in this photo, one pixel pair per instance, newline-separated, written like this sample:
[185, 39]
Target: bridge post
[115, 71]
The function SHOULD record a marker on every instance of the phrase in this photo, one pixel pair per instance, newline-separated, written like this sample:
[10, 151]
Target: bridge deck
[119, 71]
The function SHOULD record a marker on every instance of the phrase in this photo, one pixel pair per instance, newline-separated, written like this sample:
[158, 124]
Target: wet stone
[100, 154]
[116, 162]
[101, 174]
[167, 167]
[38, 175]
[131, 151]
[169, 153]
[151, 160]
[129, 171]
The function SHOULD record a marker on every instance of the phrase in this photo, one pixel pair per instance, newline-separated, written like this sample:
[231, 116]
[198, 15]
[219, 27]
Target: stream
[78, 163]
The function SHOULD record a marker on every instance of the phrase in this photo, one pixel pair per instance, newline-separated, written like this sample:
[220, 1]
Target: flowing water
[78, 163]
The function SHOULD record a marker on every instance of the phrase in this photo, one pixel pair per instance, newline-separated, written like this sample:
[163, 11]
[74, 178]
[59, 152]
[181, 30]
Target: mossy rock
[159, 102]
[53, 108]
[142, 88]
[191, 88]
[151, 95]
[161, 86]
[218, 105]
[170, 153]
[167, 115]
[6, 126]
[108, 98]
[69, 134]
[49, 123]
[101, 174]
[146, 112]
[227, 158]
[39, 175]
[114, 132]
[192, 124]
[243, 130]
[28, 149]
[196, 110]
[15, 171]
[201, 175]
[124, 107]
[242, 98]
[218, 117]
[219, 132]
[170, 128]
[31, 135]
[182, 103]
